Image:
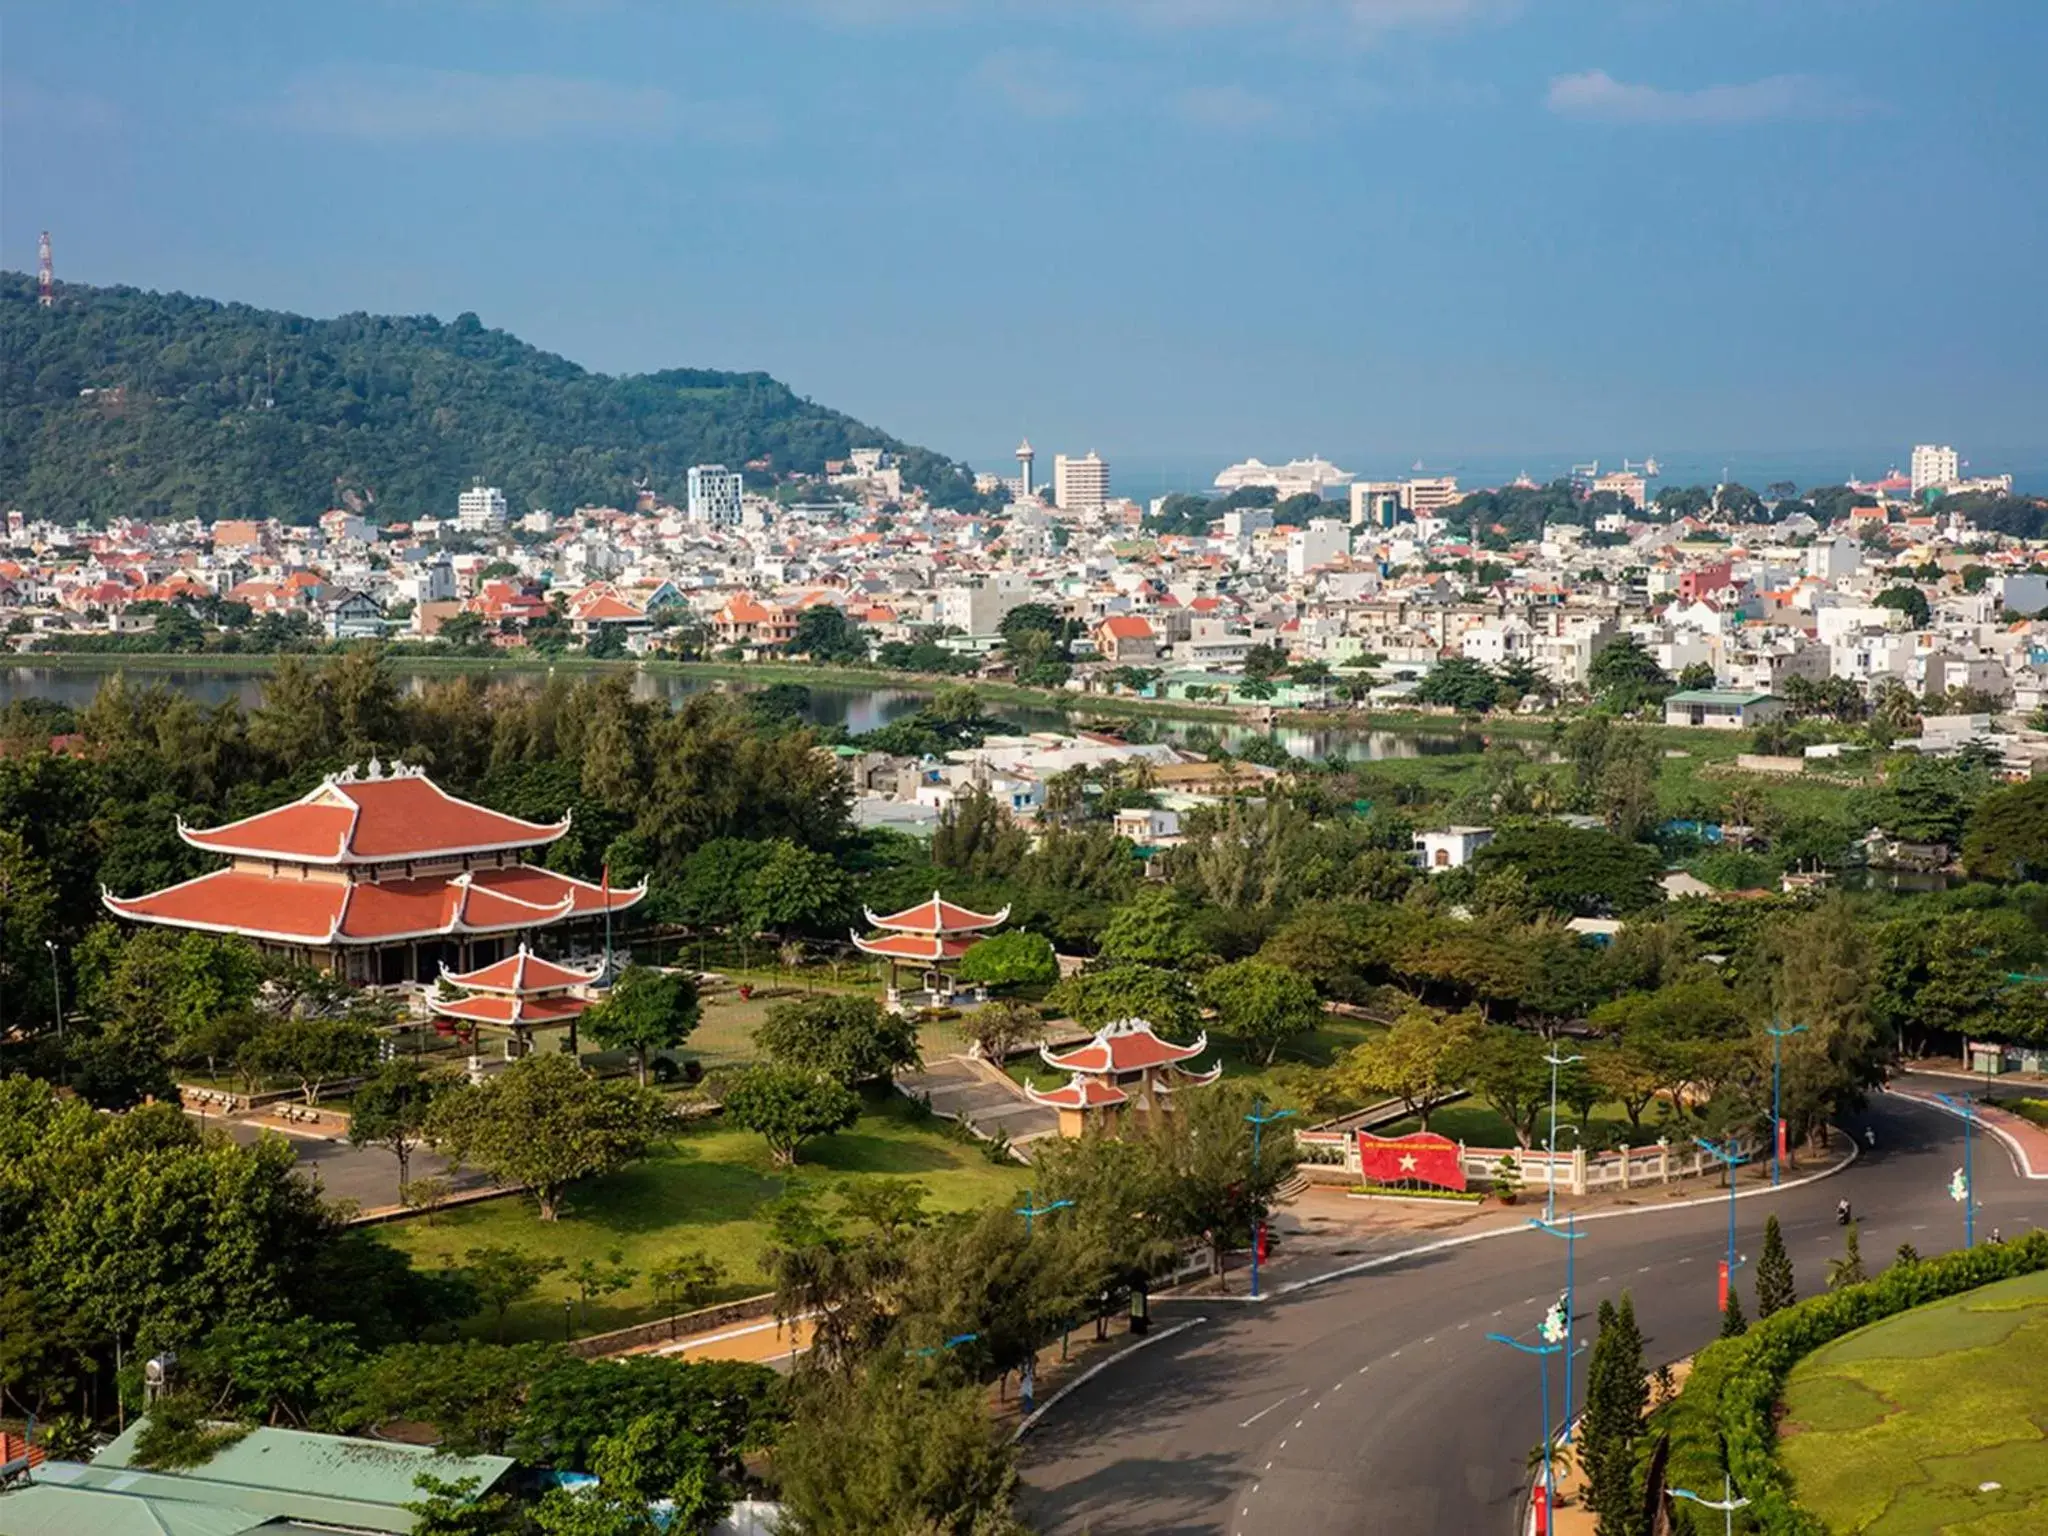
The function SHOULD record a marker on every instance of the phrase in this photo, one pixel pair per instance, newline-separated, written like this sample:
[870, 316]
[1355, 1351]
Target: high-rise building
[1079, 485]
[1935, 465]
[480, 509]
[1428, 497]
[715, 493]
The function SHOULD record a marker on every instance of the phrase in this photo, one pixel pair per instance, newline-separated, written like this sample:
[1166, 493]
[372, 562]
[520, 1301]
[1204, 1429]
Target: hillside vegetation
[198, 408]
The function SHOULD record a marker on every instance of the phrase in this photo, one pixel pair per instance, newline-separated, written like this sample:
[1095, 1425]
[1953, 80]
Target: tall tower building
[1079, 485]
[715, 493]
[1935, 465]
[1025, 454]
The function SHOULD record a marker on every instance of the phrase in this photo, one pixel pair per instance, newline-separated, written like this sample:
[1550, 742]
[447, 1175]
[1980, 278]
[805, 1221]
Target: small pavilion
[513, 997]
[932, 936]
[1126, 1067]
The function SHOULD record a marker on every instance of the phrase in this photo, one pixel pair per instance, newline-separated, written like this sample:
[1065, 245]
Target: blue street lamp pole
[1571, 1235]
[1027, 1385]
[1732, 1159]
[1777, 1077]
[1727, 1503]
[1550, 1171]
[1969, 1191]
[1260, 1120]
[1543, 1352]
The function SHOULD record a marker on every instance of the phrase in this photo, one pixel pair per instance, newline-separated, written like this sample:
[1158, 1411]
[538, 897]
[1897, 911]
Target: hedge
[1731, 1397]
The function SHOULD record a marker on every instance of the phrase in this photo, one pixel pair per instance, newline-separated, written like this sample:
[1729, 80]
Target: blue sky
[1379, 229]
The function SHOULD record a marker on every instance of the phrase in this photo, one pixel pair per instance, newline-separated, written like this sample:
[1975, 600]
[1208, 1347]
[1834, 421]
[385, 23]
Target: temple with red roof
[932, 936]
[1126, 1070]
[513, 997]
[380, 877]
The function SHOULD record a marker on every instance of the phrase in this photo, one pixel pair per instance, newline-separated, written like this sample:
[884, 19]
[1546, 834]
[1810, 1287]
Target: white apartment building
[1935, 464]
[1324, 539]
[1419, 498]
[715, 495]
[480, 509]
[1427, 497]
[1079, 485]
[978, 608]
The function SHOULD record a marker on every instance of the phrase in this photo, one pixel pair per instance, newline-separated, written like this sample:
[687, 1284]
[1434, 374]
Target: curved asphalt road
[1376, 1402]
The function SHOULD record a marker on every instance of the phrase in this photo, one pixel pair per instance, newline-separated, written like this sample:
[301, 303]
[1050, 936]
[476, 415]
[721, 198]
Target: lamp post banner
[1424, 1158]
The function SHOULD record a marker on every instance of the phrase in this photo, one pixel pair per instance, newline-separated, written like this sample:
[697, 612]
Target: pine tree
[1848, 1269]
[1617, 1393]
[1733, 1323]
[1907, 1254]
[1774, 1286]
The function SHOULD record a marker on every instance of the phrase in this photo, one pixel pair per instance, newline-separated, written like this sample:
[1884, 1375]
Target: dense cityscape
[595, 940]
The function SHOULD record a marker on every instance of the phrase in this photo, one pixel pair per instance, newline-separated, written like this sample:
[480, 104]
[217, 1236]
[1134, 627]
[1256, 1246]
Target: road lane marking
[1463, 1326]
[1290, 1397]
[1315, 1405]
[1644, 1270]
[1603, 1279]
[1430, 1340]
[1282, 1446]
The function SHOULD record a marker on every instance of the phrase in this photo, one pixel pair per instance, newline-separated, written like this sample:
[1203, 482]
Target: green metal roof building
[272, 1480]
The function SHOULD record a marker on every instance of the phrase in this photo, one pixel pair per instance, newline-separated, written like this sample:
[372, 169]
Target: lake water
[858, 709]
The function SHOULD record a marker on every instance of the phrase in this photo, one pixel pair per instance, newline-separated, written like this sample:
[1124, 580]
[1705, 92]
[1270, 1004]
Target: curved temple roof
[938, 915]
[1128, 1045]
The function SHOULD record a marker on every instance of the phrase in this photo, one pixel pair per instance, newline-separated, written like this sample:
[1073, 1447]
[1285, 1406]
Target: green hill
[117, 402]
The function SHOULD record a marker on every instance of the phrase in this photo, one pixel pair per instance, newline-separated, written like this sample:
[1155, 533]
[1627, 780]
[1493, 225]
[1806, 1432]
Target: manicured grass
[1476, 1123]
[1319, 1047]
[1895, 1428]
[704, 1192]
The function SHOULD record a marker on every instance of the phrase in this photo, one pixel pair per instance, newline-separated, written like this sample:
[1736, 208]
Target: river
[858, 708]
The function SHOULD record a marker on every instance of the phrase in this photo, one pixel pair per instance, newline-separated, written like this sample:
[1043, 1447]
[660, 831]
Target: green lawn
[1894, 1429]
[704, 1192]
[1319, 1047]
[1476, 1123]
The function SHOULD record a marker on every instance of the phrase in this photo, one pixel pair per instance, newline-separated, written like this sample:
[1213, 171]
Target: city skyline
[1446, 229]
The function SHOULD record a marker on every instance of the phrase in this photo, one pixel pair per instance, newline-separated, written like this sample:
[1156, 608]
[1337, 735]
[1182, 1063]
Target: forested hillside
[118, 402]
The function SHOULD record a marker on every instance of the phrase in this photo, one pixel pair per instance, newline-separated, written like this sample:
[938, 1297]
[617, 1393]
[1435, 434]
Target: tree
[1775, 1290]
[789, 1105]
[1461, 684]
[1213, 1188]
[1155, 927]
[503, 1275]
[1576, 873]
[2007, 835]
[849, 1037]
[1261, 1005]
[644, 1463]
[1103, 995]
[314, 1051]
[1733, 1323]
[1014, 959]
[1848, 1269]
[899, 1447]
[796, 890]
[1421, 1060]
[1506, 1066]
[1910, 601]
[824, 633]
[390, 1109]
[453, 1508]
[546, 1123]
[1624, 676]
[1617, 1394]
[1698, 674]
[687, 1280]
[644, 1010]
[998, 1028]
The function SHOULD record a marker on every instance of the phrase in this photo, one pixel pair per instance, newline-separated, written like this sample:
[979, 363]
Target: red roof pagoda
[933, 934]
[1126, 1064]
[378, 876]
[516, 993]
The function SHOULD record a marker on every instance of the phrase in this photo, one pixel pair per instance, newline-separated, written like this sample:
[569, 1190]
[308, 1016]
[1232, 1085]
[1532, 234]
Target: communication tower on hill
[46, 276]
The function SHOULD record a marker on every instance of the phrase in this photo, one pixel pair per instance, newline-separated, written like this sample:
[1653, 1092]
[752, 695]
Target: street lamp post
[1027, 1385]
[56, 987]
[1777, 1110]
[1963, 1187]
[1732, 1159]
[1571, 1234]
[1259, 1121]
[1727, 1503]
[1556, 1332]
[1550, 1169]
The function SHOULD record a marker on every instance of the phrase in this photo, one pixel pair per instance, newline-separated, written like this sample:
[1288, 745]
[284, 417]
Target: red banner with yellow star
[1421, 1158]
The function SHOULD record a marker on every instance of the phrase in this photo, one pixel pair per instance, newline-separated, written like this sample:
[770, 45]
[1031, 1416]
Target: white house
[1450, 847]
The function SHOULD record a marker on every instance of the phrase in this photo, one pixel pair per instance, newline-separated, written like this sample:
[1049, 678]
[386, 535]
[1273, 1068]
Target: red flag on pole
[606, 887]
[1423, 1158]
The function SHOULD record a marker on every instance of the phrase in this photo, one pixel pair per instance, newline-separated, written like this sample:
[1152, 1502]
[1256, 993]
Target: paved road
[366, 1175]
[1376, 1404]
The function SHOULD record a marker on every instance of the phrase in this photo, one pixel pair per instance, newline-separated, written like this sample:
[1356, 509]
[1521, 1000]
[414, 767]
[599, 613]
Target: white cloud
[409, 105]
[1225, 106]
[1596, 95]
[1029, 81]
